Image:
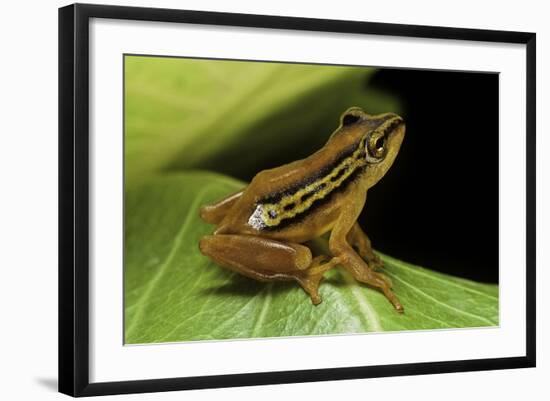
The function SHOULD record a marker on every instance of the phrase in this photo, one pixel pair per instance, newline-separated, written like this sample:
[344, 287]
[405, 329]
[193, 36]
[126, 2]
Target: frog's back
[297, 201]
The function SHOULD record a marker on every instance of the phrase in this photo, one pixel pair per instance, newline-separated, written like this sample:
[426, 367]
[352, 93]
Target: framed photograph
[251, 199]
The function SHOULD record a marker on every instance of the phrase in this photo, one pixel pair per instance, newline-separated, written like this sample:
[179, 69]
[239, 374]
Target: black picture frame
[74, 194]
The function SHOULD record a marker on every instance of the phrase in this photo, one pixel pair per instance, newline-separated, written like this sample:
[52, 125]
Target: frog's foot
[359, 269]
[311, 278]
[310, 284]
[386, 279]
[374, 261]
[381, 281]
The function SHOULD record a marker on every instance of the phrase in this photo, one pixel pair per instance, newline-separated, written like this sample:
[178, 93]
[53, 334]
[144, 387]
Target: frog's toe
[310, 284]
[376, 264]
[316, 299]
[313, 292]
[386, 279]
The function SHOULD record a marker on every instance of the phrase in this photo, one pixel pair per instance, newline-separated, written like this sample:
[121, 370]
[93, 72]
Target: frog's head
[381, 135]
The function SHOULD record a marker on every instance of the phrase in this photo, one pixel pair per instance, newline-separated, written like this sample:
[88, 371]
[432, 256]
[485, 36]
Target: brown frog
[262, 229]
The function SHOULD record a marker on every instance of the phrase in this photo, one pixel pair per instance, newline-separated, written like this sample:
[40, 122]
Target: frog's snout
[392, 126]
[389, 122]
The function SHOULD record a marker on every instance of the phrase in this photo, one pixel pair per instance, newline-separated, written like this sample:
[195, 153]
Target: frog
[263, 231]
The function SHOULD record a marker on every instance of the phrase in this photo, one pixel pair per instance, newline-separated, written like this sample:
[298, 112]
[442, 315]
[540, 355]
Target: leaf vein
[411, 269]
[267, 301]
[463, 312]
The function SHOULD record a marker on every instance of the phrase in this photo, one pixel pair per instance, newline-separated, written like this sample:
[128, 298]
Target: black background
[438, 205]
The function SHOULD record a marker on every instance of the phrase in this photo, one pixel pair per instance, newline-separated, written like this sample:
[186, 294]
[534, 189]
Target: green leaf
[192, 113]
[174, 293]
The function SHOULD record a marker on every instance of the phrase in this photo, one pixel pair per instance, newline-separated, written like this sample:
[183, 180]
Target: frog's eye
[351, 116]
[350, 119]
[376, 148]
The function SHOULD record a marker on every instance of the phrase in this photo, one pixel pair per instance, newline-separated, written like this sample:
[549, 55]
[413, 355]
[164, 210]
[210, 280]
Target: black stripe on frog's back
[318, 203]
[280, 209]
[276, 197]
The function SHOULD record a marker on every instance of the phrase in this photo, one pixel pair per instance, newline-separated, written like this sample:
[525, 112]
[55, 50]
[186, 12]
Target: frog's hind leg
[361, 242]
[215, 212]
[267, 260]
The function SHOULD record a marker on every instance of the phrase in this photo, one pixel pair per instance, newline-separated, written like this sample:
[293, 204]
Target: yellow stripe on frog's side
[272, 214]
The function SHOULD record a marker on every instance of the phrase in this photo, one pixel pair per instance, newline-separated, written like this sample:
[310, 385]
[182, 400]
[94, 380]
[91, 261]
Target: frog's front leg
[349, 259]
[358, 239]
[265, 259]
[214, 213]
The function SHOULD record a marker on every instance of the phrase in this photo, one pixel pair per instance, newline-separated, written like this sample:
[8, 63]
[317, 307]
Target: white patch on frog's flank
[255, 219]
